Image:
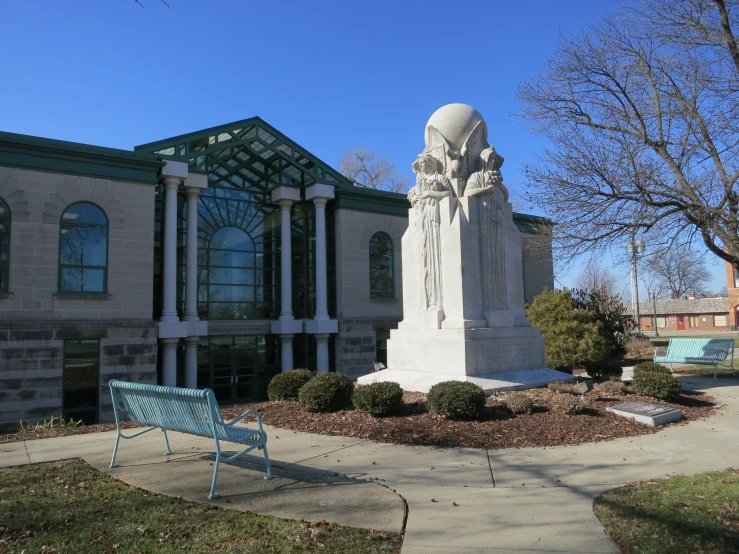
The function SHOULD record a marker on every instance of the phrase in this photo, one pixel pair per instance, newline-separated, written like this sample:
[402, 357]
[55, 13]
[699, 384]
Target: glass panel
[4, 245]
[80, 379]
[381, 266]
[83, 245]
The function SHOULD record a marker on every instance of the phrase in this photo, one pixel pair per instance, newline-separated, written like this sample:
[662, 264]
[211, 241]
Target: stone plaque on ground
[643, 412]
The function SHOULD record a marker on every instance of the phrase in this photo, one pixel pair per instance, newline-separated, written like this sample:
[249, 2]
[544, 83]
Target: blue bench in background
[697, 351]
[189, 411]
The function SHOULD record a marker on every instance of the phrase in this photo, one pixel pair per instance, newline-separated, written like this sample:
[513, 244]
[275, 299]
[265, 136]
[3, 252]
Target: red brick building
[689, 314]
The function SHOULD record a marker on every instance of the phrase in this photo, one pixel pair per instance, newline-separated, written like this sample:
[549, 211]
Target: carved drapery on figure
[472, 170]
[430, 187]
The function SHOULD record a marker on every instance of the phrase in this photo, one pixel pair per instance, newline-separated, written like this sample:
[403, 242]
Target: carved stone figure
[431, 186]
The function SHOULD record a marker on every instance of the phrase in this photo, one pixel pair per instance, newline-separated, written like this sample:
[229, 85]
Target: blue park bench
[186, 411]
[697, 351]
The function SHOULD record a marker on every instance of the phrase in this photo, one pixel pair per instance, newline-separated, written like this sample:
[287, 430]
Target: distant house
[688, 314]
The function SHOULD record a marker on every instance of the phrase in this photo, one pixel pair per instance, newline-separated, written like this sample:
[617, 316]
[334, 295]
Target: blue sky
[330, 75]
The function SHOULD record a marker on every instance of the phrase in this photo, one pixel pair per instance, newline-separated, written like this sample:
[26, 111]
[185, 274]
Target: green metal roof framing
[58, 156]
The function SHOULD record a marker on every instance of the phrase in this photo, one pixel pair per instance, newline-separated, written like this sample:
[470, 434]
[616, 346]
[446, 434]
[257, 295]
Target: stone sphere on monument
[455, 122]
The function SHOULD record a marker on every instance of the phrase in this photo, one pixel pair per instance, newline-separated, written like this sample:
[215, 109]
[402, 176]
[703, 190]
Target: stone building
[292, 266]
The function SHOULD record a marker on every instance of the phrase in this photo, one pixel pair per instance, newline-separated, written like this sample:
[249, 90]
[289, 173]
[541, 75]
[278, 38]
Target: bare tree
[641, 114]
[140, 4]
[680, 271]
[596, 277]
[367, 169]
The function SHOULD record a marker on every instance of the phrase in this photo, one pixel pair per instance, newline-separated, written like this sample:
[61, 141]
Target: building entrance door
[237, 368]
[681, 323]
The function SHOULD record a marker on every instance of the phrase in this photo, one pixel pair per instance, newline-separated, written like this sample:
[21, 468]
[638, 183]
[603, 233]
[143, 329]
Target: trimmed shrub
[639, 346]
[519, 402]
[657, 385]
[378, 399]
[326, 392]
[563, 387]
[651, 367]
[286, 385]
[456, 400]
[604, 369]
[611, 388]
[568, 404]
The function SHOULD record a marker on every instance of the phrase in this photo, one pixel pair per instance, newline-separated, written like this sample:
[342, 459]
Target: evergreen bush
[378, 399]
[603, 369]
[610, 311]
[456, 400]
[326, 392]
[286, 385]
[572, 337]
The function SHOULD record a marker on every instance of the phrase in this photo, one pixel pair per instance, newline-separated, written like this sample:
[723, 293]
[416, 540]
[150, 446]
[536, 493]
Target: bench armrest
[242, 416]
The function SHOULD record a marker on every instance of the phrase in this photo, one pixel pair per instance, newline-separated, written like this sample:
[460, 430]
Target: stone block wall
[37, 200]
[32, 361]
[538, 265]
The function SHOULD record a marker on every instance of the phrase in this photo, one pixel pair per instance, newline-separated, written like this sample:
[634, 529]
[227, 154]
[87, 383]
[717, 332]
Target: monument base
[421, 381]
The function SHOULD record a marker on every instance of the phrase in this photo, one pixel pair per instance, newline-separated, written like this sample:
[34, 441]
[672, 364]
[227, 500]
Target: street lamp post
[654, 306]
[635, 247]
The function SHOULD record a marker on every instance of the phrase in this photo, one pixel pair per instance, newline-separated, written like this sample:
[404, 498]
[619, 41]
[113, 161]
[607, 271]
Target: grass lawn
[69, 507]
[679, 515]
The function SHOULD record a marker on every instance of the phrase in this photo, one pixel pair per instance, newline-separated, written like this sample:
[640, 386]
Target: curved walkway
[513, 500]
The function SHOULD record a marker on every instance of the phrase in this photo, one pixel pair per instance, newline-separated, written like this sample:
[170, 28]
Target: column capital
[170, 183]
[196, 180]
[192, 193]
[285, 194]
[320, 193]
[173, 172]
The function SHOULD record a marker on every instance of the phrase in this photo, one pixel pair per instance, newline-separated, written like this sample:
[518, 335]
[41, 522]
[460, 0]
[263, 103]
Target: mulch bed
[498, 428]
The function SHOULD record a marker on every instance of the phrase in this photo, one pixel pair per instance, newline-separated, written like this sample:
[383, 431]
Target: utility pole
[635, 247]
[654, 306]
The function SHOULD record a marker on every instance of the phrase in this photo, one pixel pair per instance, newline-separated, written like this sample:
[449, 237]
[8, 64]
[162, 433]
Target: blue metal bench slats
[191, 411]
[697, 351]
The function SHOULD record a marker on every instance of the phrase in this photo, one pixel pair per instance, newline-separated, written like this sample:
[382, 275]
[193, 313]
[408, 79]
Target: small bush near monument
[678, 515]
[611, 388]
[456, 400]
[563, 387]
[572, 337]
[657, 385]
[639, 346]
[603, 369]
[568, 404]
[326, 392]
[651, 367]
[519, 402]
[378, 399]
[286, 385]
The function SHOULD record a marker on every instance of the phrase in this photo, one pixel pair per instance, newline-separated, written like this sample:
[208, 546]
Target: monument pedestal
[463, 299]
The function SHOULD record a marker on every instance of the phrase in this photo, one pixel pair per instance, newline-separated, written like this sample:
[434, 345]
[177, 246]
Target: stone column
[286, 345]
[169, 362]
[322, 353]
[286, 326]
[191, 362]
[286, 257]
[191, 261]
[169, 268]
[321, 326]
[321, 277]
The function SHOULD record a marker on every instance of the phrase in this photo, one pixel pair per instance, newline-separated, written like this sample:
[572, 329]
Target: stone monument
[463, 299]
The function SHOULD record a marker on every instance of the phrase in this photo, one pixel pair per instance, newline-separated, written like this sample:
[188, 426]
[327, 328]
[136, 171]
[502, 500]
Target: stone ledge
[74, 296]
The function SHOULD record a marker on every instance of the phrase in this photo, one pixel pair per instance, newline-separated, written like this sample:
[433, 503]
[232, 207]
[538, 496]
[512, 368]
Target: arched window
[4, 245]
[83, 249]
[228, 287]
[382, 284]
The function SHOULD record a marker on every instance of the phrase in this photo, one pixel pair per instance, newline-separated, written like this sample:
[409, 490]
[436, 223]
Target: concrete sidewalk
[512, 500]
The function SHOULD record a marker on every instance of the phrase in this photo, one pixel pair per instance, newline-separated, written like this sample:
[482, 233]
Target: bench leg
[715, 371]
[213, 494]
[115, 449]
[267, 463]
[166, 441]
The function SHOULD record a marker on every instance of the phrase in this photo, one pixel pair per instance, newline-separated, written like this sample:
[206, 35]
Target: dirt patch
[497, 429]
[51, 432]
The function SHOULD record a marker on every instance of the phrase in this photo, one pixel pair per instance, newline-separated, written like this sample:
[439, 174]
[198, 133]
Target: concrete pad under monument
[463, 298]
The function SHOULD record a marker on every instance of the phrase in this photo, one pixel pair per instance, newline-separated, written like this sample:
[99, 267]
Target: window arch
[83, 249]
[381, 263]
[4, 245]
